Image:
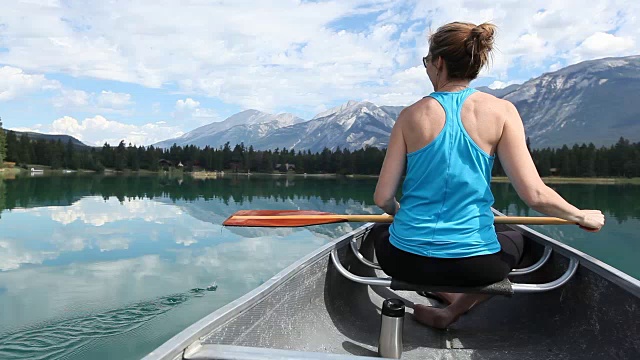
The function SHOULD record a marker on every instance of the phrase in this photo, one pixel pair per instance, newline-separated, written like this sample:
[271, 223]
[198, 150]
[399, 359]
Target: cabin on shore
[285, 167]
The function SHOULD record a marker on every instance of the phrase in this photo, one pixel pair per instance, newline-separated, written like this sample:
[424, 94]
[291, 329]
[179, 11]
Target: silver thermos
[390, 341]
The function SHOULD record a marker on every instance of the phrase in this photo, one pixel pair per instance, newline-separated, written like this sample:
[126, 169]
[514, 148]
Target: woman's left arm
[392, 170]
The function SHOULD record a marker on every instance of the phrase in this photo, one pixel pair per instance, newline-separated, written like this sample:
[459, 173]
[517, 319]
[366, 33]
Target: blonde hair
[464, 47]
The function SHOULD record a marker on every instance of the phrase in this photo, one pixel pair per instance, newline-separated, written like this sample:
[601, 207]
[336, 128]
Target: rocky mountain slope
[593, 101]
[247, 126]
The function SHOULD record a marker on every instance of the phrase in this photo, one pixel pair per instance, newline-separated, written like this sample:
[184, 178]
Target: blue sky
[143, 72]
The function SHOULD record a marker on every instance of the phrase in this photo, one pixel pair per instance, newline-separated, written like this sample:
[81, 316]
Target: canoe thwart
[529, 269]
[504, 287]
[360, 257]
[515, 272]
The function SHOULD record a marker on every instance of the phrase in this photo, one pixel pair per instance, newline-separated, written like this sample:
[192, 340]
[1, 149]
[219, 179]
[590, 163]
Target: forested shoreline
[619, 160]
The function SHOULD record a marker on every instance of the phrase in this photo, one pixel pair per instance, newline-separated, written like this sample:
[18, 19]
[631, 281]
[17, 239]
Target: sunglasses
[426, 60]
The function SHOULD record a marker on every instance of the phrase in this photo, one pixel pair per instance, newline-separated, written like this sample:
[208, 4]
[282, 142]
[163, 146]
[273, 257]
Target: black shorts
[468, 271]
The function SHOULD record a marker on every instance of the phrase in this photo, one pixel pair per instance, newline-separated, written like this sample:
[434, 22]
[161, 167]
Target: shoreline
[10, 173]
[570, 180]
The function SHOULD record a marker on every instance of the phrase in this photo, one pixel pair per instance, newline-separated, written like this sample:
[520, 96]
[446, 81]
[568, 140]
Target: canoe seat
[515, 272]
[503, 287]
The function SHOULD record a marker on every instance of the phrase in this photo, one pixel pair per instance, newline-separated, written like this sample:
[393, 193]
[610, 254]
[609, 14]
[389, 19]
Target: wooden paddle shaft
[524, 220]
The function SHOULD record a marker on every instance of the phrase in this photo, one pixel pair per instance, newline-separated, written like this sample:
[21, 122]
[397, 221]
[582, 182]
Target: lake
[112, 266]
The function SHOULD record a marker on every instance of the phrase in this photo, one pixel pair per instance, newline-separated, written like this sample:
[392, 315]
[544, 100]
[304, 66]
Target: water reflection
[615, 200]
[108, 213]
[66, 307]
[3, 195]
[65, 190]
[84, 250]
[242, 191]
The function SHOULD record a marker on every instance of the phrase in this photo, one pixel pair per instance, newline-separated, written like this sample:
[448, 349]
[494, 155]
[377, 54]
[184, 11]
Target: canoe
[563, 304]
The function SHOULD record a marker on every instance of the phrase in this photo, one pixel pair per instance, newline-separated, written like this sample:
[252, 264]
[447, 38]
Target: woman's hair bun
[480, 39]
[465, 47]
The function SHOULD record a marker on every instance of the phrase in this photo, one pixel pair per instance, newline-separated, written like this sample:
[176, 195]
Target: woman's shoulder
[489, 97]
[420, 108]
[488, 102]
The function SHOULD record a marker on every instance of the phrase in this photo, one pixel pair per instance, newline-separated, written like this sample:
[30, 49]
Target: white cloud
[115, 100]
[501, 84]
[114, 243]
[267, 55]
[189, 108]
[98, 212]
[97, 130]
[35, 128]
[602, 44]
[205, 113]
[497, 85]
[187, 104]
[530, 47]
[555, 66]
[79, 100]
[14, 82]
[13, 254]
[69, 98]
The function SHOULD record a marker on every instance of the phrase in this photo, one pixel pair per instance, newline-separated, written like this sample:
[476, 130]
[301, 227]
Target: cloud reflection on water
[92, 224]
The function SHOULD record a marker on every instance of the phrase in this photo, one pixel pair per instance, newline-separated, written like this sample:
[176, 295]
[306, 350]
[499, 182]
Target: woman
[443, 230]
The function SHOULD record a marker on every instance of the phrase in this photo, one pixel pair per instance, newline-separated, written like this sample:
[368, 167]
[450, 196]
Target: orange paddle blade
[282, 218]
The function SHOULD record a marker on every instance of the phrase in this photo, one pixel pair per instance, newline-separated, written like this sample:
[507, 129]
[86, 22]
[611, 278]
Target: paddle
[292, 218]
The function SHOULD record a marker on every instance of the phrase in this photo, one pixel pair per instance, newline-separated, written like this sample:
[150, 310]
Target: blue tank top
[445, 209]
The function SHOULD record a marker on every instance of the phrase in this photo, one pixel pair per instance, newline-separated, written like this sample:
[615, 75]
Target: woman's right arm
[519, 167]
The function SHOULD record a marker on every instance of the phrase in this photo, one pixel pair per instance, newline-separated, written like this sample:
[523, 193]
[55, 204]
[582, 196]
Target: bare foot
[448, 298]
[434, 317]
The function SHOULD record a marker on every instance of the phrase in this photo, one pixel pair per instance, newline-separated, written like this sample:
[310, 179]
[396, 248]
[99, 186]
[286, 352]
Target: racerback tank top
[445, 209]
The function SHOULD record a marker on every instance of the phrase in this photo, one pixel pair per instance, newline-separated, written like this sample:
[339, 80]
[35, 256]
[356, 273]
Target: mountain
[593, 101]
[352, 126]
[499, 92]
[247, 126]
[48, 137]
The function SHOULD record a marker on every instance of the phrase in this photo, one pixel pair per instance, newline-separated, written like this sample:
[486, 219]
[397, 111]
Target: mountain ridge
[49, 137]
[248, 121]
[572, 105]
[575, 104]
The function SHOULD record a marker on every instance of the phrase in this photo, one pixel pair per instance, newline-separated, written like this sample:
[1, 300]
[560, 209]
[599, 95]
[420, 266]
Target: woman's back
[446, 205]
[482, 115]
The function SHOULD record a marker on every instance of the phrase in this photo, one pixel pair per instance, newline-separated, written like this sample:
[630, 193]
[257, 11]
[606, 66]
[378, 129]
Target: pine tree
[12, 146]
[70, 158]
[57, 154]
[24, 152]
[120, 157]
[3, 196]
[3, 145]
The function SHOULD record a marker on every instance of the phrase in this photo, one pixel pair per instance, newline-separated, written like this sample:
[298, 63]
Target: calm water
[105, 267]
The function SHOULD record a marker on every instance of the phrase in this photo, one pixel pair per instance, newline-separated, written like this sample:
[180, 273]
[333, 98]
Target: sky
[148, 70]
